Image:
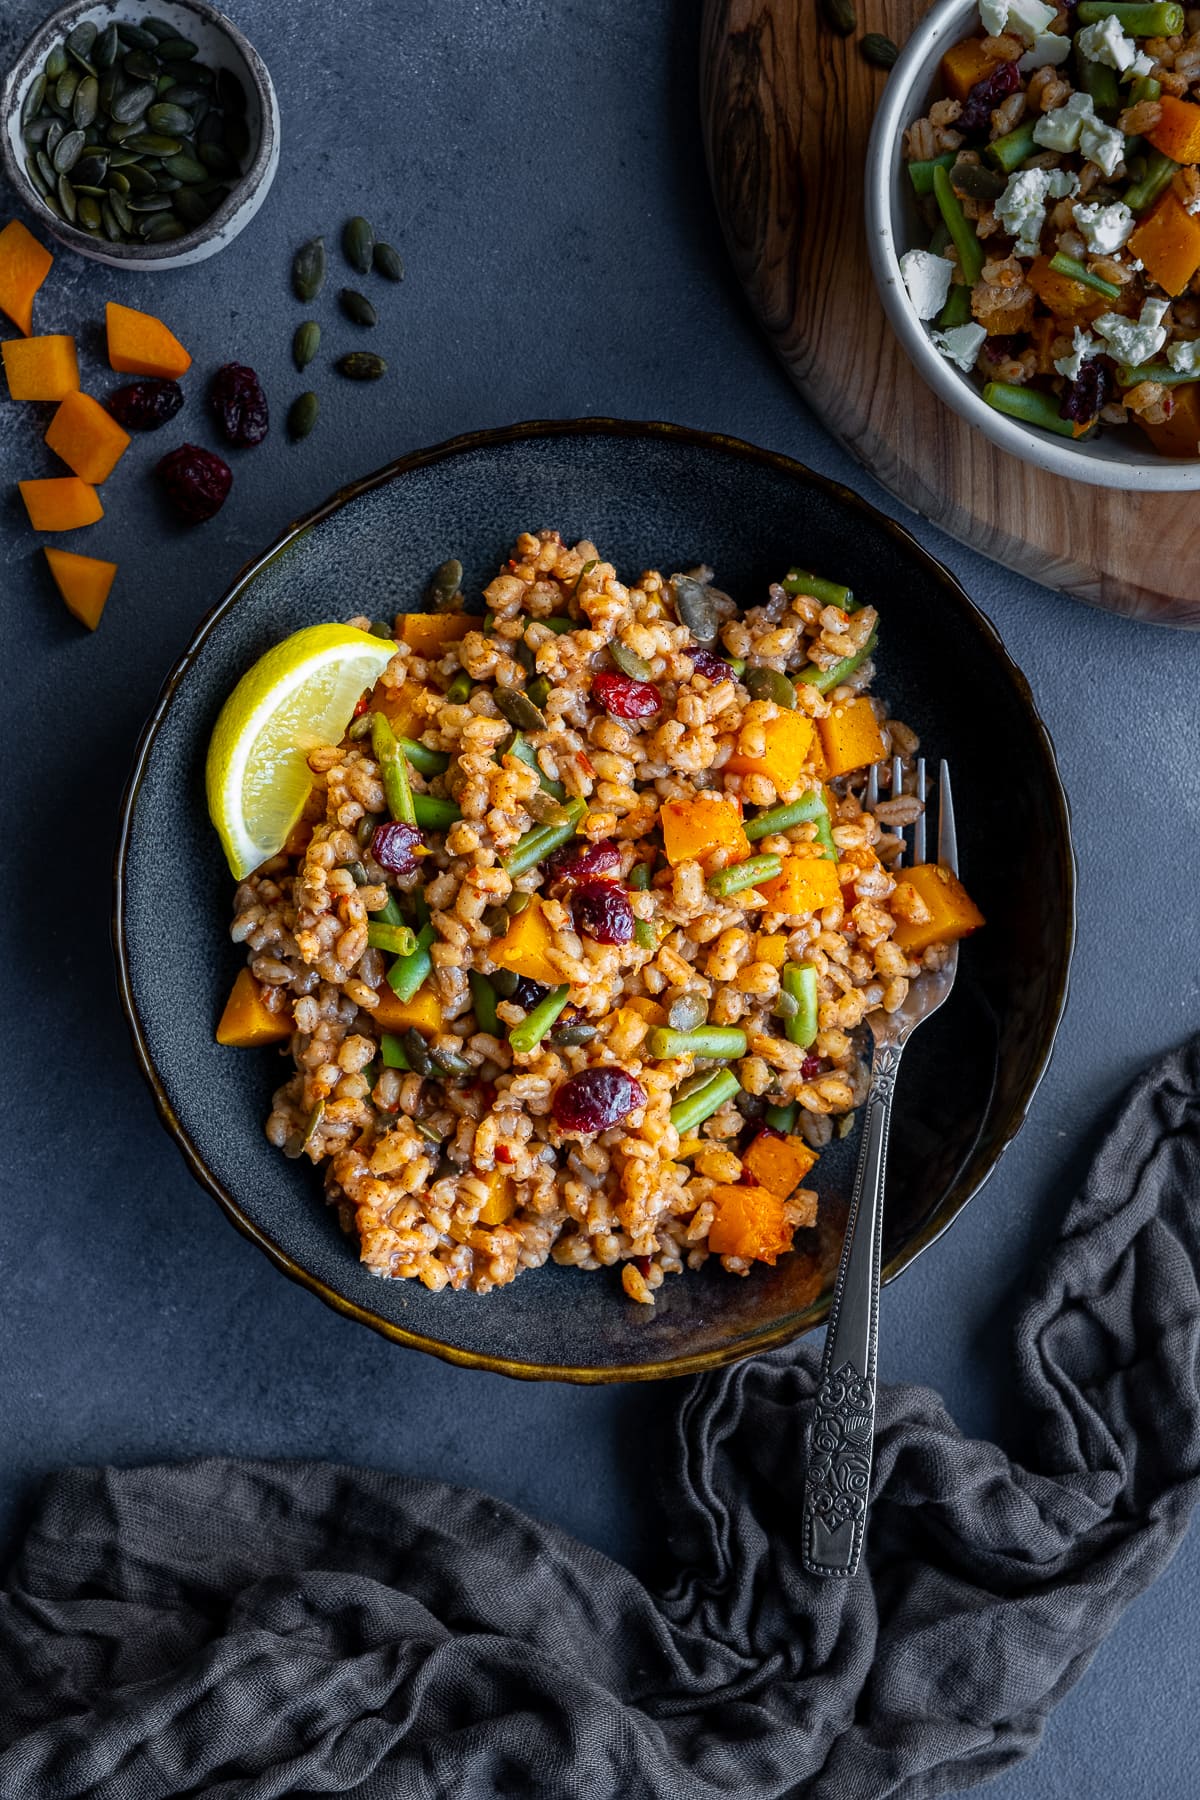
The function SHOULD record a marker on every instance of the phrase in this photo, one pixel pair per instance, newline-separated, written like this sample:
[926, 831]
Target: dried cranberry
[237, 399]
[394, 847]
[999, 349]
[145, 405]
[812, 1065]
[602, 911]
[625, 698]
[596, 1100]
[708, 663]
[528, 992]
[986, 96]
[575, 865]
[1089, 391]
[197, 481]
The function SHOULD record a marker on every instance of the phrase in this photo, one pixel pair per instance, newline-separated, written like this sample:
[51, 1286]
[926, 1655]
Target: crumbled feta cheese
[1083, 346]
[1137, 265]
[1021, 209]
[1104, 229]
[1141, 65]
[1063, 182]
[1060, 128]
[1106, 42]
[1101, 144]
[1049, 49]
[961, 344]
[994, 14]
[1028, 19]
[1185, 357]
[1135, 341]
[1192, 204]
[927, 278]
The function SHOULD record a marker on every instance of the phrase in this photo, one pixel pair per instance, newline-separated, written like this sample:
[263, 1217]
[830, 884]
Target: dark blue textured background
[540, 169]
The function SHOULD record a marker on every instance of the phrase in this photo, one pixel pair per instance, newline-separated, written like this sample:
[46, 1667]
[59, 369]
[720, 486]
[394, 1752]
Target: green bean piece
[389, 913]
[529, 1033]
[1031, 406]
[459, 691]
[538, 843]
[829, 593]
[961, 229]
[639, 877]
[800, 981]
[558, 625]
[401, 940]
[1162, 20]
[408, 972]
[720, 1042]
[825, 680]
[783, 1118]
[1161, 372]
[644, 935]
[392, 1051]
[434, 814]
[744, 874]
[1142, 194]
[921, 173]
[1062, 264]
[1009, 152]
[1098, 80]
[782, 818]
[957, 310]
[824, 827]
[738, 665]
[1144, 88]
[523, 750]
[483, 998]
[425, 762]
[393, 769]
[538, 690]
[704, 1100]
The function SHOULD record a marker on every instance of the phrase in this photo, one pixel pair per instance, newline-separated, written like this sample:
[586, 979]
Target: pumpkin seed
[82, 38]
[121, 159]
[231, 95]
[120, 211]
[54, 136]
[387, 262]
[64, 90]
[132, 102]
[32, 103]
[687, 1011]
[86, 101]
[519, 710]
[141, 65]
[89, 212]
[37, 131]
[118, 181]
[191, 207]
[358, 243]
[565, 1037]
[216, 158]
[119, 132]
[212, 131]
[629, 662]
[696, 607]
[539, 690]
[417, 1052]
[140, 180]
[56, 64]
[36, 177]
[188, 97]
[445, 585]
[302, 415]
[50, 201]
[185, 167]
[69, 151]
[308, 269]
[975, 181]
[149, 203]
[163, 231]
[841, 15]
[360, 365]
[108, 219]
[97, 193]
[167, 184]
[177, 49]
[357, 307]
[134, 38]
[47, 171]
[108, 48]
[170, 120]
[879, 50]
[306, 343]
[161, 28]
[152, 144]
[770, 684]
[90, 170]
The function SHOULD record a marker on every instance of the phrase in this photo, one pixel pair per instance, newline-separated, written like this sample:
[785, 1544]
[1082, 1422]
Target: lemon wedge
[300, 694]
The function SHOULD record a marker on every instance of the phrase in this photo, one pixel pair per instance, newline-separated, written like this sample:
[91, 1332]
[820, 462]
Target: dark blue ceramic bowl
[652, 496]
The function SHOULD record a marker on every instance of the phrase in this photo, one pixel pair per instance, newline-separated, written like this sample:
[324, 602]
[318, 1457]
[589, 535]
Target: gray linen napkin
[226, 1628]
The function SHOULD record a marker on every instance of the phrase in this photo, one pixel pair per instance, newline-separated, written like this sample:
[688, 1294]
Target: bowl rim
[650, 430]
[1057, 456]
[145, 257]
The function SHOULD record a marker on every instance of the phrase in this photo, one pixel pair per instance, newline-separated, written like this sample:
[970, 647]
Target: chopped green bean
[921, 173]
[1098, 80]
[744, 874]
[529, 1033]
[1031, 406]
[829, 593]
[1144, 88]
[639, 877]
[401, 940]
[426, 762]
[783, 1118]
[644, 935]
[1142, 194]
[1163, 373]
[800, 981]
[961, 229]
[392, 1051]
[538, 843]
[702, 1102]
[435, 814]
[825, 680]
[389, 913]
[957, 310]
[393, 769]
[723, 1042]
[1164, 19]
[459, 691]
[1009, 152]
[1062, 264]
[558, 625]
[408, 972]
[523, 750]
[782, 818]
[483, 998]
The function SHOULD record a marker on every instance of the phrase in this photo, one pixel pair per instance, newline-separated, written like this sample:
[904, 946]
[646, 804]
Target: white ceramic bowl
[1116, 458]
[221, 45]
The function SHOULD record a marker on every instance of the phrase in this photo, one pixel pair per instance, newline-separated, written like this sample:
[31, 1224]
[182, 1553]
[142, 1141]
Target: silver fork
[841, 1439]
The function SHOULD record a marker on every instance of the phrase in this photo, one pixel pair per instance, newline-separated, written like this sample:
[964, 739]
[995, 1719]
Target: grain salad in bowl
[571, 940]
[1055, 172]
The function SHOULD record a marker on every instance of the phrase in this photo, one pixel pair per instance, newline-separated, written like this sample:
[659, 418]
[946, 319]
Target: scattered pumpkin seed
[90, 170]
[149, 203]
[161, 28]
[152, 143]
[519, 710]
[31, 106]
[87, 99]
[79, 42]
[360, 365]
[387, 262]
[108, 219]
[770, 684]
[358, 244]
[36, 131]
[140, 180]
[36, 177]
[69, 150]
[445, 585]
[47, 171]
[131, 103]
[629, 662]
[97, 193]
[696, 605]
[357, 307]
[134, 37]
[879, 50]
[163, 230]
[306, 343]
[120, 211]
[141, 66]
[302, 415]
[54, 136]
[64, 91]
[841, 15]
[216, 159]
[308, 269]
[191, 207]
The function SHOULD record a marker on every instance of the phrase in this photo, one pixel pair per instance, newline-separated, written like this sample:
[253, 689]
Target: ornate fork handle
[842, 1435]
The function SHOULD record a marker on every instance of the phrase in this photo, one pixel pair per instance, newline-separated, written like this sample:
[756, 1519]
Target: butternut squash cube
[423, 1011]
[771, 948]
[697, 829]
[965, 64]
[246, 1021]
[779, 1163]
[1180, 434]
[429, 633]
[648, 1009]
[40, 368]
[789, 746]
[952, 912]
[24, 265]
[1168, 241]
[403, 707]
[806, 885]
[84, 583]
[850, 736]
[140, 344]
[750, 1223]
[1069, 300]
[63, 503]
[88, 438]
[525, 945]
[1177, 133]
[501, 1202]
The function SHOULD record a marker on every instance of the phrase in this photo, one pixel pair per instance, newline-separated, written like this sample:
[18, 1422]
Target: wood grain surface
[786, 109]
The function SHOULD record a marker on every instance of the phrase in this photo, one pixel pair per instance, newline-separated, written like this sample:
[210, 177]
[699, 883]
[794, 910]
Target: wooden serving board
[786, 109]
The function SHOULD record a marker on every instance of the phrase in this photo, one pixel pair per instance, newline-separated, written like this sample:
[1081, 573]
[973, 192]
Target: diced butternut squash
[1168, 241]
[1177, 133]
[1069, 300]
[84, 583]
[525, 945]
[62, 503]
[24, 265]
[750, 1223]
[779, 1163]
[806, 885]
[697, 830]
[1005, 321]
[650, 1010]
[40, 368]
[501, 1202]
[952, 912]
[964, 64]
[88, 438]
[850, 736]
[403, 707]
[1180, 434]
[789, 746]
[771, 948]
[429, 633]
[140, 344]
[423, 1011]
[247, 1021]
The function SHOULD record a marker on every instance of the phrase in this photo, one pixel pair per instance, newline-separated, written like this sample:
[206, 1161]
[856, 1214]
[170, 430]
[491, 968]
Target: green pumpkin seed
[54, 136]
[191, 207]
[200, 74]
[97, 193]
[302, 415]
[31, 106]
[357, 307]
[167, 184]
[56, 64]
[121, 159]
[64, 90]
[149, 203]
[152, 143]
[519, 710]
[445, 586]
[120, 211]
[216, 158]
[770, 684]
[358, 243]
[89, 212]
[306, 343]
[388, 263]
[879, 50]
[69, 151]
[163, 85]
[181, 95]
[92, 136]
[185, 167]
[36, 177]
[90, 170]
[141, 65]
[975, 181]
[118, 182]
[163, 231]
[108, 219]
[117, 133]
[134, 38]
[629, 662]
[360, 365]
[696, 607]
[161, 28]
[565, 1037]
[36, 132]
[170, 120]
[131, 104]
[108, 48]
[140, 180]
[79, 42]
[177, 49]
[840, 14]
[308, 269]
[87, 99]
[47, 171]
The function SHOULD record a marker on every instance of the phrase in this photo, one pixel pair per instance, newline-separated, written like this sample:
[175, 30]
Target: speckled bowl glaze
[651, 496]
[221, 45]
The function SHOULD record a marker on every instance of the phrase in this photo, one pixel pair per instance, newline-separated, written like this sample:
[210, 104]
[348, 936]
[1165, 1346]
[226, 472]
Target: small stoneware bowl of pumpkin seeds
[145, 136]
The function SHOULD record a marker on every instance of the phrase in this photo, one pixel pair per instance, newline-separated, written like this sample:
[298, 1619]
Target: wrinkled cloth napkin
[247, 1629]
